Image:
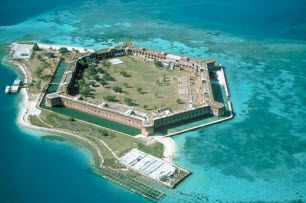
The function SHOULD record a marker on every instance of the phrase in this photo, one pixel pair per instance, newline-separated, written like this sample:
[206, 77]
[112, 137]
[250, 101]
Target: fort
[195, 92]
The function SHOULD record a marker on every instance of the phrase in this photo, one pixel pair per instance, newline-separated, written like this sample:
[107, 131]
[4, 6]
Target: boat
[7, 89]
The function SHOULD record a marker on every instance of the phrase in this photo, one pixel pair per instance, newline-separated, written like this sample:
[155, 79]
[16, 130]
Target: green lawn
[142, 74]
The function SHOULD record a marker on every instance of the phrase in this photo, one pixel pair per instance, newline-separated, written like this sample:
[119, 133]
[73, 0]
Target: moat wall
[94, 110]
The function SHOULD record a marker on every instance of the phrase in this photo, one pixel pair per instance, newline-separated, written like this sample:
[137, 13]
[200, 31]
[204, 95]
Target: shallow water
[259, 155]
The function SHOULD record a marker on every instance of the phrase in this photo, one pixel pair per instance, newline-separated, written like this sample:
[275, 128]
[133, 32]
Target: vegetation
[63, 50]
[139, 89]
[158, 64]
[35, 47]
[38, 71]
[110, 98]
[103, 82]
[124, 73]
[145, 106]
[178, 101]
[71, 119]
[38, 84]
[160, 85]
[128, 101]
[49, 55]
[117, 89]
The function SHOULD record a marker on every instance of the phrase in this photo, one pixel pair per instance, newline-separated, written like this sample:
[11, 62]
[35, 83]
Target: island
[122, 103]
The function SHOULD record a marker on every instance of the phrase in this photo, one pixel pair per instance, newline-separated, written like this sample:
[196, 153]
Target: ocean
[260, 155]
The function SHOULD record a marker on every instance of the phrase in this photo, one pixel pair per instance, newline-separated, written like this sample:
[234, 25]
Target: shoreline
[29, 107]
[70, 48]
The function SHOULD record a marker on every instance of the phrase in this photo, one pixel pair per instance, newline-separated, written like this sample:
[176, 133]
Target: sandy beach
[70, 48]
[169, 147]
[30, 107]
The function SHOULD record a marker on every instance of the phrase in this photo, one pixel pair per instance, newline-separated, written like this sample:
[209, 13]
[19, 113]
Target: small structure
[116, 61]
[15, 87]
[161, 109]
[22, 51]
[153, 167]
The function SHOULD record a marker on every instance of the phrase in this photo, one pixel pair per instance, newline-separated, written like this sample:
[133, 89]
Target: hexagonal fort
[137, 87]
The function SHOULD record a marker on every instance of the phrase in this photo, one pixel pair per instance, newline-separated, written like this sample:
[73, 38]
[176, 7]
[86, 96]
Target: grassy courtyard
[140, 81]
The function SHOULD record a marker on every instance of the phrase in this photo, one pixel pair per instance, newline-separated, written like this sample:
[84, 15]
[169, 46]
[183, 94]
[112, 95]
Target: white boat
[7, 89]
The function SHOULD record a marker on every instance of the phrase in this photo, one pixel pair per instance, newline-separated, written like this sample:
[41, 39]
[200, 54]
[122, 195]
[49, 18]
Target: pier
[14, 88]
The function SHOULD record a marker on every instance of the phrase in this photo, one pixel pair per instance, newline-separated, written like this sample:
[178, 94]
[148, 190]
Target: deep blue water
[260, 155]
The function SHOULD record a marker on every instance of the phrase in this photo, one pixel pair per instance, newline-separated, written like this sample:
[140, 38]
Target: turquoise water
[257, 156]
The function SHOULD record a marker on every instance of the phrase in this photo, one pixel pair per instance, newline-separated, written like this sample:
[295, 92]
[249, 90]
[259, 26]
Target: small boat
[7, 89]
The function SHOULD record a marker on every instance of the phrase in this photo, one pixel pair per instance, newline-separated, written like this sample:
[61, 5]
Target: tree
[49, 55]
[158, 64]
[92, 83]
[117, 89]
[39, 57]
[37, 84]
[100, 70]
[82, 62]
[96, 77]
[107, 77]
[158, 82]
[124, 73]
[145, 106]
[63, 50]
[125, 85]
[178, 101]
[139, 89]
[103, 82]
[128, 101]
[110, 98]
[104, 132]
[156, 94]
[35, 47]
[85, 92]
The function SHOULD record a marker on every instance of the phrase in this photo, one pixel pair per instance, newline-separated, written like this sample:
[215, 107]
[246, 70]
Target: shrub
[63, 50]
[103, 82]
[104, 132]
[37, 84]
[92, 83]
[35, 47]
[124, 73]
[117, 89]
[178, 101]
[49, 55]
[128, 101]
[100, 70]
[139, 89]
[71, 119]
[110, 98]
[95, 77]
[107, 77]
[158, 64]
[145, 106]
